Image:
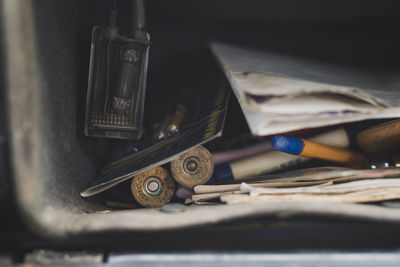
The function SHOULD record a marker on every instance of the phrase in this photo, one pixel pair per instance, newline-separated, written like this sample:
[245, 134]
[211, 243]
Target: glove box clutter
[107, 133]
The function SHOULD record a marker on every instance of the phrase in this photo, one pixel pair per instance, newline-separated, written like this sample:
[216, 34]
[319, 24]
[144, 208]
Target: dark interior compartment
[46, 47]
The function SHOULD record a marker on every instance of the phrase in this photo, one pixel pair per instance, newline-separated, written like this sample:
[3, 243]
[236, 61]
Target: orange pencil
[301, 147]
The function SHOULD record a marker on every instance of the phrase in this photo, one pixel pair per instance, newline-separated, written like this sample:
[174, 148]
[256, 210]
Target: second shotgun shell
[193, 167]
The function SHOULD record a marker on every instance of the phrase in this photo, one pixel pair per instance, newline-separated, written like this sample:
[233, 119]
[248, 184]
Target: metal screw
[173, 208]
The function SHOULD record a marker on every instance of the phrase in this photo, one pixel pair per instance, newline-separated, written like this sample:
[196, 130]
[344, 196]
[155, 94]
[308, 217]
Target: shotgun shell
[153, 188]
[193, 167]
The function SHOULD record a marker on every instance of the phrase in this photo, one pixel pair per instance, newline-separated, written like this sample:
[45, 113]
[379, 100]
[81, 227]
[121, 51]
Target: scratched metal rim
[201, 176]
[139, 192]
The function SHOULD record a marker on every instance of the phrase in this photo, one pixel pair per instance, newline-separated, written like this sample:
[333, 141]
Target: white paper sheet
[280, 93]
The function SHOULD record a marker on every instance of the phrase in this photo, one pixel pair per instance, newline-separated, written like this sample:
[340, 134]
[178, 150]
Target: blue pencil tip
[287, 144]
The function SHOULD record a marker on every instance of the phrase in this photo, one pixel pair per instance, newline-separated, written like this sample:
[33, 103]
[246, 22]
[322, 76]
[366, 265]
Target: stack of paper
[318, 184]
[352, 192]
[280, 93]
